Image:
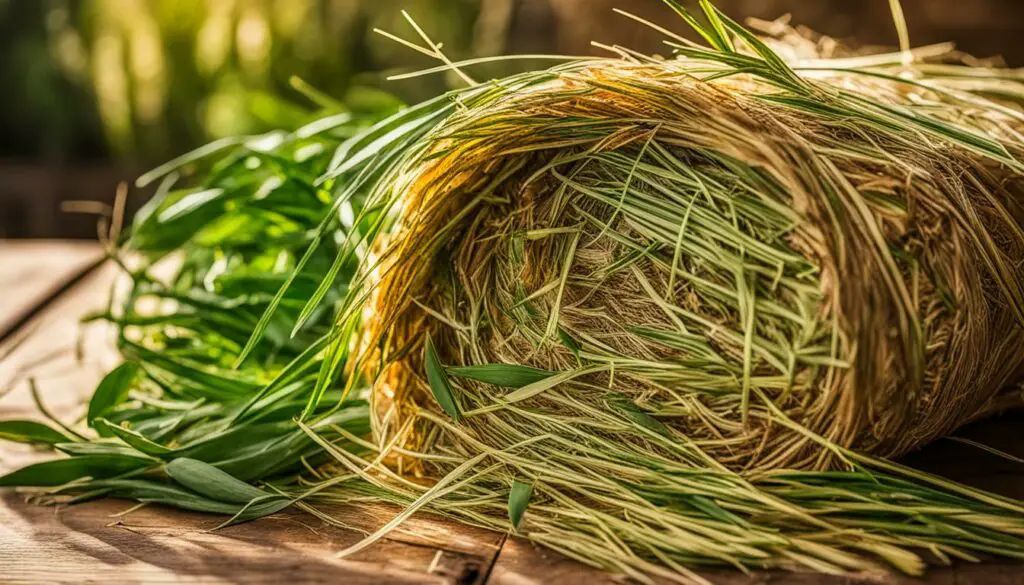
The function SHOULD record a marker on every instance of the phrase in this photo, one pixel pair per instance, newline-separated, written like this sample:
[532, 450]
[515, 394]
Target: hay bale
[638, 211]
[639, 269]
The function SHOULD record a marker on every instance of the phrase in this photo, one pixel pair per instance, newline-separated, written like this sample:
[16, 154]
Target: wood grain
[32, 271]
[157, 544]
[65, 358]
[98, 543]
[88, 544]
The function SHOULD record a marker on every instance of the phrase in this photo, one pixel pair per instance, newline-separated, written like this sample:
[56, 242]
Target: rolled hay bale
[696, 303]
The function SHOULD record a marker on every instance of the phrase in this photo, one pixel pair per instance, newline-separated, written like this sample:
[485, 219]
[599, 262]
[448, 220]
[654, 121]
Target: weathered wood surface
[32, 271]
[99, 543]
[91, 543]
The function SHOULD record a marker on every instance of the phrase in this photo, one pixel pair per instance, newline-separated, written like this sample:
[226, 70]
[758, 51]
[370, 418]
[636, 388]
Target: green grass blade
[112, 390]
[211, 482]
[61, 471]
[518, 500]
[32, 432]
[438, 380]
[504, 375]
[131, 438]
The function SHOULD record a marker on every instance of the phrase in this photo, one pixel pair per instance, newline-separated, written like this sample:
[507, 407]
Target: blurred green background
[95, 91]
[143, 80]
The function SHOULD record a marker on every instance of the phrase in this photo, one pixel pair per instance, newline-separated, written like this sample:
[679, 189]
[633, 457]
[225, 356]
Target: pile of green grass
[246, 230]
[654, 314]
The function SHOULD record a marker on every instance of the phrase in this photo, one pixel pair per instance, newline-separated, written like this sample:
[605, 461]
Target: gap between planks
[34, 274]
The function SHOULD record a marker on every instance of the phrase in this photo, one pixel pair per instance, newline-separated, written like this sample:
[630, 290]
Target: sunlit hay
[879, 322]
[740, 273]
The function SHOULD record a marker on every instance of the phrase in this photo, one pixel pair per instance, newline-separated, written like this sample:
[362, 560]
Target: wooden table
[45, 287]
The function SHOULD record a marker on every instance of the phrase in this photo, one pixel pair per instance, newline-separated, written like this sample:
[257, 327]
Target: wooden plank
[66, 359]
[86, 543]
[158, 545]
[34, 270]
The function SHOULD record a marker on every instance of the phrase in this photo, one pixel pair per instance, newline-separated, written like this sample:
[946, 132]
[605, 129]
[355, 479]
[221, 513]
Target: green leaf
[170, 495]
[187, 158]
[639, 416]
[163, 493]
[438, 380]
[106, 447]
[771, 58]
[337, 353]
[268, 313]
[504, 375]
[723, 42]
[708, 506]
[296, 368]
[549, 382]
[518, 500]
[321, 99]
[30, 431]
[573, 345]
[190, 203]
[214, 383]
[132, 438]
[275, 456]
[112, 391]
[695, 344]
[709, 35]
[383, 135]
[211, 482]
[61, 471]
[327, 283]
[258, 508]
[180, 215]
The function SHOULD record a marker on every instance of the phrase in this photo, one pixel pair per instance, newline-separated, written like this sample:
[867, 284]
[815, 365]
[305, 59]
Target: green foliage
[189, 411]
[145, 80]
[211, 482]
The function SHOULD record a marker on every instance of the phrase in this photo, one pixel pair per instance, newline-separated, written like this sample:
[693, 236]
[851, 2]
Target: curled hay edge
[897, 284]
[773, 270]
